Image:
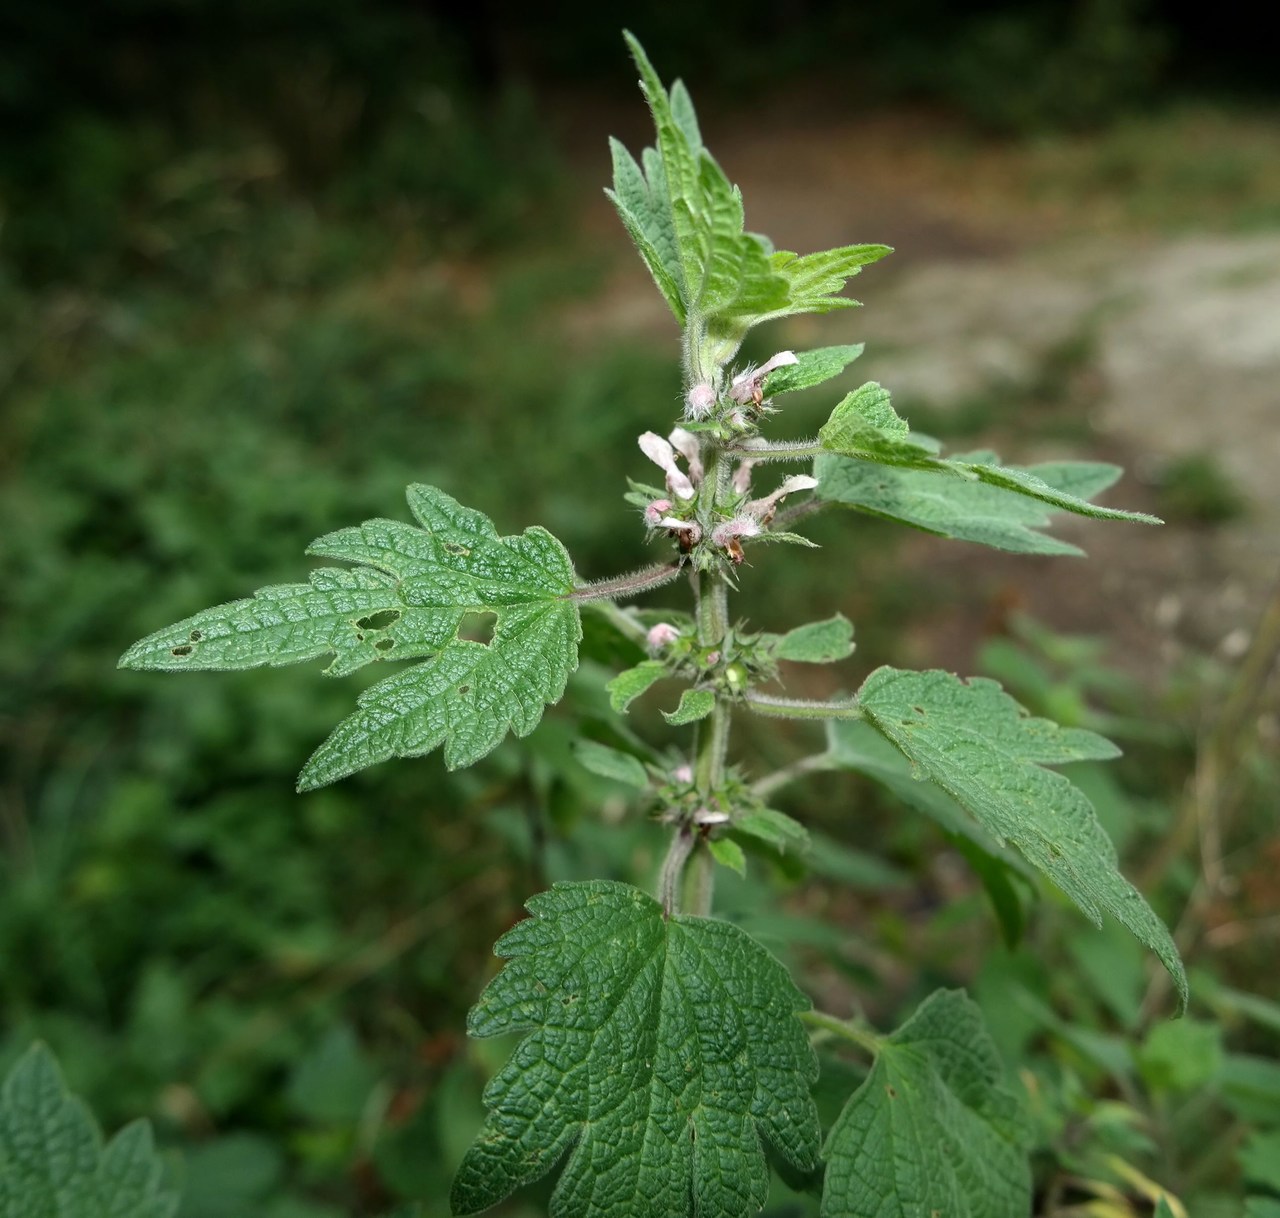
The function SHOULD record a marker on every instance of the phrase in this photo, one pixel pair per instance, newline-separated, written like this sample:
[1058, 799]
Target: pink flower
[686, 444]
[664, 457]
[740, 526]
[699, 401]
[748, 385]
[660, 636]
[656, 510]
[729, 535]
[691, 529]
[763, 509]
[683, 774]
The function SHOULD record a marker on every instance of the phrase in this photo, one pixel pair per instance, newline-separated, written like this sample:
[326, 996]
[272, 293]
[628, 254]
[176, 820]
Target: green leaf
[694, 704]
[611, 763]
[857, 746]
[933, 1129]
[729, 854]
[687, 221]
[775, 829]
[875, 464]
[983, 749]
[629, 684]
[644, 206]
[811, 368]
[410, 597]
[958, 508]
[52, 1159]
[1254, 1207]
[661, 1053]
[817, 642]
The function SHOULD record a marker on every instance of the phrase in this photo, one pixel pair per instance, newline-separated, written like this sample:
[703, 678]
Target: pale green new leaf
[408, 598]
[817, 642]
[815, 281]
[662, 1051]
[53, 1163]
[865, 426]
[611, 763]
[629, 684]
[730, 279]
[812, 368]
[958, 508]
[776, 829]
[644, 206]
[695, 704]
[729, 854]
[982, 748]
[933, 1129]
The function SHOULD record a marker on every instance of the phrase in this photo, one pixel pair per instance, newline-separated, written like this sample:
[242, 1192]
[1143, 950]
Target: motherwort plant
[666, 1060]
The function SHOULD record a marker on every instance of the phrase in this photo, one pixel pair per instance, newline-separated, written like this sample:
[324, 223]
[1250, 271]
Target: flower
[699, 401]
[660, 452]
[729, 534]
[655, 511]
[742, 475]
[691, 529]
[740, 526]
[660, 636]
[763, 509]
[748, 385]
[686, 444]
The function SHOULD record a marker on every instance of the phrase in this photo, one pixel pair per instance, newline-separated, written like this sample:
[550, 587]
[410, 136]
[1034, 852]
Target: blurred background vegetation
[264, 263]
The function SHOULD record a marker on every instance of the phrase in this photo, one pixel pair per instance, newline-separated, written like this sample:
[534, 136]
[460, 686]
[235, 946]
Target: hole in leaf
[196, 636]
[380, 620]
[890, 1092]
[919, 710]
[359, 636]
[385, 644]
[452, 547]
[477, 627]
[184, 650]
[464, 689]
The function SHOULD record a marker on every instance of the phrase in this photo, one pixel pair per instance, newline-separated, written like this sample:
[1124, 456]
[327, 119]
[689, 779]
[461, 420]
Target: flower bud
[660, 636]
[699, 401]
[655, 511]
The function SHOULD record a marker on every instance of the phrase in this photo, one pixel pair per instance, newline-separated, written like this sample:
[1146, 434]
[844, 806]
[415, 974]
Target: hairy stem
[801, 708]
[702, 881]
[682, 842]
[779, 450]
[620, 587]
[788, 774]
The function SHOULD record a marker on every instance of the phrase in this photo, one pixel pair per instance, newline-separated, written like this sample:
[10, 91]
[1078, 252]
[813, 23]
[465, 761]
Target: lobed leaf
[932, 1129]
[960, 509]
[983, 749]
[661, 1053]
[687, 221]
[811, 368]
[53, 1161]
[876, 464]
[409, 598]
